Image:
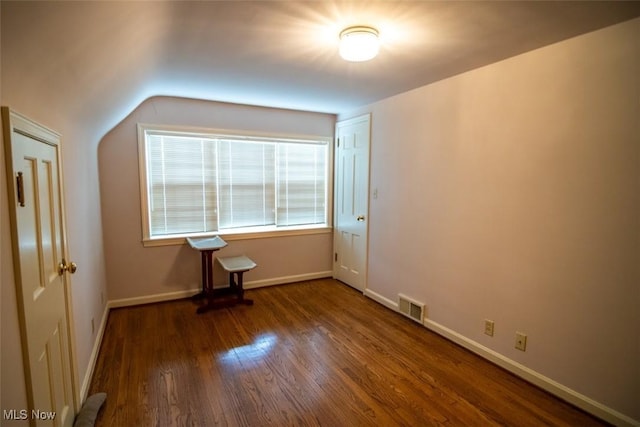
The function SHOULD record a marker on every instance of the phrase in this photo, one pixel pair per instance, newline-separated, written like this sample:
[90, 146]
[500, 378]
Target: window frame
[233, 234]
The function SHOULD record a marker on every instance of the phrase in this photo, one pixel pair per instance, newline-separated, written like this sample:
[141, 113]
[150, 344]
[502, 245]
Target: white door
[38, 240]
[351, 201]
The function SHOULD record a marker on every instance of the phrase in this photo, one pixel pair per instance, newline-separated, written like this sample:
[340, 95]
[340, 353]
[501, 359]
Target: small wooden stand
[237, 265]
[220, 297]
[206, 247]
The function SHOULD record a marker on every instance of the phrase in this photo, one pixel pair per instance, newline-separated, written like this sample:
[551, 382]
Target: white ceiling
[97, 60]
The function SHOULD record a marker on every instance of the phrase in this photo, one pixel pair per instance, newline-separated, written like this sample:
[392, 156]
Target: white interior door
[351, 201]
[37, 226]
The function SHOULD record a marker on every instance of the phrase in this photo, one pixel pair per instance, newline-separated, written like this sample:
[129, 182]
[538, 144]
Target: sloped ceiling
[93, 62]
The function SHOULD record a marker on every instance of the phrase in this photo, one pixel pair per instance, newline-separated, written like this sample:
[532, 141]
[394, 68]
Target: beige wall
[512, 193]
[135, 271]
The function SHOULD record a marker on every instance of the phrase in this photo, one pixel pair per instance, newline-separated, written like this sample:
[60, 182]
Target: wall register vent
[411, 308]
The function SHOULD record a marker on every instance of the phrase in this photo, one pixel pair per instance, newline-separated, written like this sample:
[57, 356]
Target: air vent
[411, 308]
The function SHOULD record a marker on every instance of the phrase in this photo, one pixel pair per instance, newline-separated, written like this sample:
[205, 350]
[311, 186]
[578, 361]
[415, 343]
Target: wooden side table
[207, 247]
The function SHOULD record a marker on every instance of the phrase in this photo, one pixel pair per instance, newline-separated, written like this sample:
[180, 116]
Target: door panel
[38, 250]
[352, 201]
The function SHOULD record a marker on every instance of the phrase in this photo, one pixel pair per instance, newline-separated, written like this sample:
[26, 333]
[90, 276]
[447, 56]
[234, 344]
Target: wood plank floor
[313, 353]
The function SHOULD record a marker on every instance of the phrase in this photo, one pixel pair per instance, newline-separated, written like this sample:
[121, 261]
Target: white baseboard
[380, 299]
[565, 393]
[148, 299]
[287, 279]
[170, 296]
[86, 382]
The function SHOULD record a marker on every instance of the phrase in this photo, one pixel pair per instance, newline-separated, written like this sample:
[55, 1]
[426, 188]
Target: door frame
[363, 117]
[13, 121]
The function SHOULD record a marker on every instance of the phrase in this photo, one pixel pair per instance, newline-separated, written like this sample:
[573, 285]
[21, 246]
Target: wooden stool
[237, 265]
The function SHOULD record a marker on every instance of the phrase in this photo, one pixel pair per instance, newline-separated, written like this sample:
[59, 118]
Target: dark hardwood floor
[305, 354]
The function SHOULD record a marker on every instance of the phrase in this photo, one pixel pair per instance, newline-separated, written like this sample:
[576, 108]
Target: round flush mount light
[358, 44]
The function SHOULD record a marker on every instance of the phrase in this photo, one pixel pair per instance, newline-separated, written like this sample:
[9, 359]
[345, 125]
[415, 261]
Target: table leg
[207, 275]
[240, 289]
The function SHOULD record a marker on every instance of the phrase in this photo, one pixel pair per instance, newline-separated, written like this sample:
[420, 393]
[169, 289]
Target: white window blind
[182, 187]
[246, 184]
[211, 183]
[302, 188]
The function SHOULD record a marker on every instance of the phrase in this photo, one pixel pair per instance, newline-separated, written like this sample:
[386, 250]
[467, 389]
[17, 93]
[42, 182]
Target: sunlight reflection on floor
[255, 351]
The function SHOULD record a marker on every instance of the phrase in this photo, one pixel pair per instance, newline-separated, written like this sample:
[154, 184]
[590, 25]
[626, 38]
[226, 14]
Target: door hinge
[338, 142]
[335, 257]
[20, 189]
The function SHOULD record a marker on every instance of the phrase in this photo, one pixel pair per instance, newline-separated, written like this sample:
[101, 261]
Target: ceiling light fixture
[358, 44]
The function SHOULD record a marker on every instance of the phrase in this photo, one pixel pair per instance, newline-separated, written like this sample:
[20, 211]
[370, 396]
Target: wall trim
[562, 392]
[170, 296]
[381, 299]
[93, 358]
[288, 279]
[149, 299]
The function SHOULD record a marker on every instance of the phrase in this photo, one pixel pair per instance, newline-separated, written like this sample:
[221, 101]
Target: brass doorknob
[360, 218]
[63, 266]
[72, 267]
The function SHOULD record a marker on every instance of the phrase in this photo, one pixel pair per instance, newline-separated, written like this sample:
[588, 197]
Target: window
[198, 183]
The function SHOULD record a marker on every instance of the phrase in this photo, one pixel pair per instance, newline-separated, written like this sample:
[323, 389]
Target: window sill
[231, 235]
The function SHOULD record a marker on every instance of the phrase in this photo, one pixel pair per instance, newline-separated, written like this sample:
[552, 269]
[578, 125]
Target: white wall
[512, 193]
[134, 271]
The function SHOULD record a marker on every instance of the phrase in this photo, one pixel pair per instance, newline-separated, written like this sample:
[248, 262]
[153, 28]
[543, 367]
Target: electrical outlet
[488, 327]
[521, 341]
